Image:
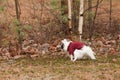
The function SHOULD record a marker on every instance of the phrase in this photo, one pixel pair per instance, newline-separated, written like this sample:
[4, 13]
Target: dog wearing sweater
[77, 50]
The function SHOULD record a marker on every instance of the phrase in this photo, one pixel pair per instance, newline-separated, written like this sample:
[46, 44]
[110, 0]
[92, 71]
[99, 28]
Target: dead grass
[60, 68]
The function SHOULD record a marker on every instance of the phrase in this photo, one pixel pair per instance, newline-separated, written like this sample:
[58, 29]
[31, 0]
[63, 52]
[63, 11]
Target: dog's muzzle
[60, 47]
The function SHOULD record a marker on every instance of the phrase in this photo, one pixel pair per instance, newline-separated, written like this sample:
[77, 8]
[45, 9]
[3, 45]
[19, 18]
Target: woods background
[38, 23]
[31, 30]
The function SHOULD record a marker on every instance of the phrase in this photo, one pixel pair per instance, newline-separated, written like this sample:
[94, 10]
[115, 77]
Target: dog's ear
[65, 40]
[62, 41]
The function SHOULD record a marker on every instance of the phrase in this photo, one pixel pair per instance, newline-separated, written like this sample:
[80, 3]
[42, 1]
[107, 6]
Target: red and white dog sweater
[74, 45]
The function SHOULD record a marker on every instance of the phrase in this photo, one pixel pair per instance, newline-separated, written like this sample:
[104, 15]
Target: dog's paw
[73, 60]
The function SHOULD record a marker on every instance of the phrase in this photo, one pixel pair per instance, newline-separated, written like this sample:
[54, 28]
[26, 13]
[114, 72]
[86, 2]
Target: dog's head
[65, 44]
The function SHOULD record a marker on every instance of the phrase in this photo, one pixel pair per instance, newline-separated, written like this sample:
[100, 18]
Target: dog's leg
[77, 55]
[71, 57]
[75, 58]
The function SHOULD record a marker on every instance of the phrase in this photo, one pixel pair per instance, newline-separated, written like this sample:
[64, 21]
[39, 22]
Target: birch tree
[81, 10]
[69, 14]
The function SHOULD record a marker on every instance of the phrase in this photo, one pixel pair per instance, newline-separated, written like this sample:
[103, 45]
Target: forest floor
[60, 68]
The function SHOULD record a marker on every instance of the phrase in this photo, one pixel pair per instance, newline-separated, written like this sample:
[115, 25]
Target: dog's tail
[91, 53]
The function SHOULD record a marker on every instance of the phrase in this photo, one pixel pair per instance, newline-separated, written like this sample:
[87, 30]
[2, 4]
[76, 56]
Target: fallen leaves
[107, 45]
[101, 45]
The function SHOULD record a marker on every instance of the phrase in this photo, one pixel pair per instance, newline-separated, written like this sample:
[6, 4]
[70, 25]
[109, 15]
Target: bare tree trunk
[75, 15]
[70, 14]
[110, 18]
[96, 10]
[81, 10]
[17, 6]
[17, 10]
[64, 11]
[90, 19]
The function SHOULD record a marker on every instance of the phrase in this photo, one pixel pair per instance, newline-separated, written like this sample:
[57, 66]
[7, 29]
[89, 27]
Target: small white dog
[77, 50]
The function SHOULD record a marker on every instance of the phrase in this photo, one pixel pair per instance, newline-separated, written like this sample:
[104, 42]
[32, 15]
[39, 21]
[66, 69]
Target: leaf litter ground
[60, 68]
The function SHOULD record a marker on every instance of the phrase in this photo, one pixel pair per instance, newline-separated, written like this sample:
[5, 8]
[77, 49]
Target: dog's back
[74, 45]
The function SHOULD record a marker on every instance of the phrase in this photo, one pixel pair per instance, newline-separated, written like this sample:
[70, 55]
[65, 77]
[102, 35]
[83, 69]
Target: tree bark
[17, 6]
[90, 25]
[81, 10]
[75, 15]
[64, 11]
[70, 14]
[110, 18]
[17, 10]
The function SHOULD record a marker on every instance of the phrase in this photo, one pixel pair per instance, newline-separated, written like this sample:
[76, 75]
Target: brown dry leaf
[0, 51]
[52, 48]
[112, 51]
[99, 43]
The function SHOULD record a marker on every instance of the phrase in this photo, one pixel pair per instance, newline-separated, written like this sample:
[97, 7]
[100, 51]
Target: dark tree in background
[110, 18]
[18, 12]
[64, 12]
[75, 14]
[90, 19]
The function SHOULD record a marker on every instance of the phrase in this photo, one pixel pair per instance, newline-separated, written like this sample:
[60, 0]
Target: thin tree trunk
[64, 11]
[75, 15]
[17, 6]
[70, 14]
[96, 10]
[90, 19]
[110, 18]
[17, 10]
[81, 10]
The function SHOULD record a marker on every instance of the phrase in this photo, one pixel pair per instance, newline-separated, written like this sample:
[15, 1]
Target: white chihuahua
[77, 50]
